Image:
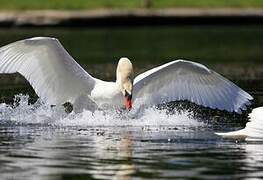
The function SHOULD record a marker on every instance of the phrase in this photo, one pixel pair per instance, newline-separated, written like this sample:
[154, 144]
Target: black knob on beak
[128, 95]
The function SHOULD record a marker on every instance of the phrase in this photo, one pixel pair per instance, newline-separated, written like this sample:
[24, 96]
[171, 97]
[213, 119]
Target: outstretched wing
[52, 72]
[186, 80]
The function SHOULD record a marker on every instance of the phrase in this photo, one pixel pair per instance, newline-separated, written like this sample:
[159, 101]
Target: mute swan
[253, 130]
[57, 78]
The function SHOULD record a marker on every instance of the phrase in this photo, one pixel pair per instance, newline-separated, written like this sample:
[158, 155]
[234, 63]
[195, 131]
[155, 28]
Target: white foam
[39, 113]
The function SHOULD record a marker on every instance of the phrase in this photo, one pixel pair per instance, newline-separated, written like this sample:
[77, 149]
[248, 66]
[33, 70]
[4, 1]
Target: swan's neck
[124, 73]
[118, 78]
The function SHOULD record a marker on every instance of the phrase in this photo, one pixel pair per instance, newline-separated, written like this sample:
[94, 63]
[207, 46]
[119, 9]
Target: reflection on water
[40, 142]
[107, 153]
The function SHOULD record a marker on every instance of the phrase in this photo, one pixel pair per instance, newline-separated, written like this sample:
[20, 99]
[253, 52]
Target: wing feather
[186, 80]
[51, 71]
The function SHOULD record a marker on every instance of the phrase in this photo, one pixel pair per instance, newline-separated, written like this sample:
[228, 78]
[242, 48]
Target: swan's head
[124, 75]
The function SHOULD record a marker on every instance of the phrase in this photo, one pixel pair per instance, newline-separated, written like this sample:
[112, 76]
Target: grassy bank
[90, 4]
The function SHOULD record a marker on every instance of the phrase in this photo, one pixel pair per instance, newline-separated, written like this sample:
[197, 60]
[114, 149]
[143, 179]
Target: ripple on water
[40, 142]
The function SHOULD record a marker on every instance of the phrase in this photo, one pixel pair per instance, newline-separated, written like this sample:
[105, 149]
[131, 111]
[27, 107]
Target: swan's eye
[130, 79]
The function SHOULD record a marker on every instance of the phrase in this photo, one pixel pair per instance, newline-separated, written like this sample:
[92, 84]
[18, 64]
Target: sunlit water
[42, 142]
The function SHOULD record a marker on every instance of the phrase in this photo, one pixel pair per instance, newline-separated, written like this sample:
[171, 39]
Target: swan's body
[112, 94]
[57, 78]
[253, 130]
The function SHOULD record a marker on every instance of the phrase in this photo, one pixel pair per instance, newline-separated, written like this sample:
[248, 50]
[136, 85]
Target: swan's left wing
[186, 80]
[55, 76]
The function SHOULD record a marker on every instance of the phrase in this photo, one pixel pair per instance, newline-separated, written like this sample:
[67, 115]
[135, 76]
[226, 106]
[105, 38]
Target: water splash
[22, 112]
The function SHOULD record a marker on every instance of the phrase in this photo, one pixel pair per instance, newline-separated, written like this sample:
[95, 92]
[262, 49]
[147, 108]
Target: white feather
[52, 72]
[185, 80]
[253, 130]
[57, 78]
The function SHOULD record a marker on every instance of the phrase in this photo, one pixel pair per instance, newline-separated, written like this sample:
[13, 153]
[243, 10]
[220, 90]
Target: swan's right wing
[253, 130]
[52, 72]
[186, 80]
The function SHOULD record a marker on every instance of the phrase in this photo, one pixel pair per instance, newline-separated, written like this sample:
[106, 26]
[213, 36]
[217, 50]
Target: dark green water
[209, 44]
[39, 143]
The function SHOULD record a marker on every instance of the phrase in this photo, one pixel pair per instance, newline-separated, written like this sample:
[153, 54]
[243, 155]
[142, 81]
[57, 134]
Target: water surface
[40, 142]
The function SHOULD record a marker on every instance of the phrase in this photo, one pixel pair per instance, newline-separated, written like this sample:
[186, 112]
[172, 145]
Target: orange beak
[128, 101]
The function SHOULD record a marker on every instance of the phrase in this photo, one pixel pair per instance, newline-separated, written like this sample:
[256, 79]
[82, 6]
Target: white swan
[253, 130]
[57, 78]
